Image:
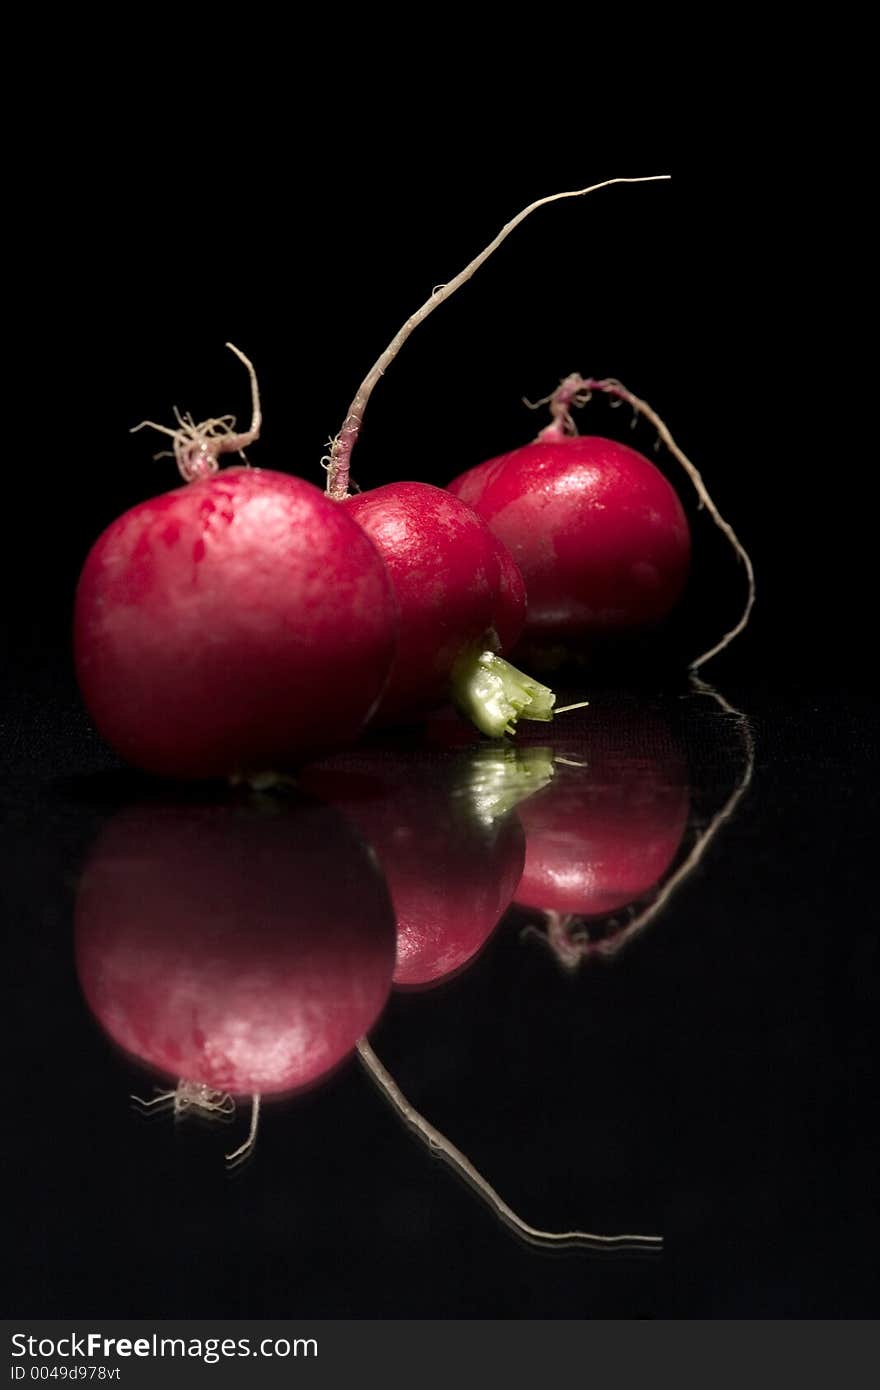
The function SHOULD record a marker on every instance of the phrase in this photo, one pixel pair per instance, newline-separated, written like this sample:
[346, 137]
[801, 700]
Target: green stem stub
[494, 695]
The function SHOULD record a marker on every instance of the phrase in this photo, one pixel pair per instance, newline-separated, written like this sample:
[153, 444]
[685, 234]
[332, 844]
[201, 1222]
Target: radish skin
[599, 536]
[234, 626]
[460, 601]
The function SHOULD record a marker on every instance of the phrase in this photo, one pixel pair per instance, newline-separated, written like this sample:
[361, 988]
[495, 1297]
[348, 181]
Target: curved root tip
[244, 1151]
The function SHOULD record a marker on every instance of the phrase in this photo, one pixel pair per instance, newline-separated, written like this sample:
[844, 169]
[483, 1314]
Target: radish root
[244, 1151]
[195, 1095]
[577, 391]
[197, 447]
[438, 1143]
[559, 932]
[191, 1095]
[337, 463]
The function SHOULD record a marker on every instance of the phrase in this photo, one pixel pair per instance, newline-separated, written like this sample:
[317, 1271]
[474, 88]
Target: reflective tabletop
[573, 1025]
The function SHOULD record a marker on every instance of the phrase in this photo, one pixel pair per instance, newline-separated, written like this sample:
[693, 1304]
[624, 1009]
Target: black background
[169, 211]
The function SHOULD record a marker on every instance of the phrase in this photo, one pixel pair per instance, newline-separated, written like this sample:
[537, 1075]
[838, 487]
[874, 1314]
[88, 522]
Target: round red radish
[450, 847]
[240, 948]
[233, 626]
[604, 833]
[598, 533]
[461, 605]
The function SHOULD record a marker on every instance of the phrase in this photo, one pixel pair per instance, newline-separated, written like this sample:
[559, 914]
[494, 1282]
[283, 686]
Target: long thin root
[438, 1143]
[339, 461]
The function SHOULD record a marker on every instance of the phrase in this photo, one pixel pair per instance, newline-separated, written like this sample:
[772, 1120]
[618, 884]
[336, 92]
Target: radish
[445, 834]
[461, 604]
[233, 626]
[452, 629]
[599, 535]
[241, 949]
[608, 827]
[605, 843]
[597, 531]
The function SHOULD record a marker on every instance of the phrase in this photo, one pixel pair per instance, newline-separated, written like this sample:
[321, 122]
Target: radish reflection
[443, 826]
[243, 948]
[239, 948]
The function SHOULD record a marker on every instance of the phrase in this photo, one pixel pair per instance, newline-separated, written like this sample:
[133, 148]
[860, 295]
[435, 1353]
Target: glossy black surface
[713, 1081]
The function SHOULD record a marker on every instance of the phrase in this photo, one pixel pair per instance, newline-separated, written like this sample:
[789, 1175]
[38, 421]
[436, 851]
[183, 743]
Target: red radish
[242, 949]
[604, 832]
[460, 601]
[445, 834]
[597, 531]
[233, 626]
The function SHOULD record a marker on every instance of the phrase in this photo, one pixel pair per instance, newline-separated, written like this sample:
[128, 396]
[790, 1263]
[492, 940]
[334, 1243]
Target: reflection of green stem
[501, 776]
[493, 694]
[438, 1143]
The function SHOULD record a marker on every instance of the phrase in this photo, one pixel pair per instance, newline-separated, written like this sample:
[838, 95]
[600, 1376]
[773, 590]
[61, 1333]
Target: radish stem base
[493, 694]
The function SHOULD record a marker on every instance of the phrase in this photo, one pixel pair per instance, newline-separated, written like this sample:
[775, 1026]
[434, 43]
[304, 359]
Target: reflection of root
[210, 1104]
[566, 937]
[192, 1095]
[244, 1151]
[569, 937]
[438, 1143]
